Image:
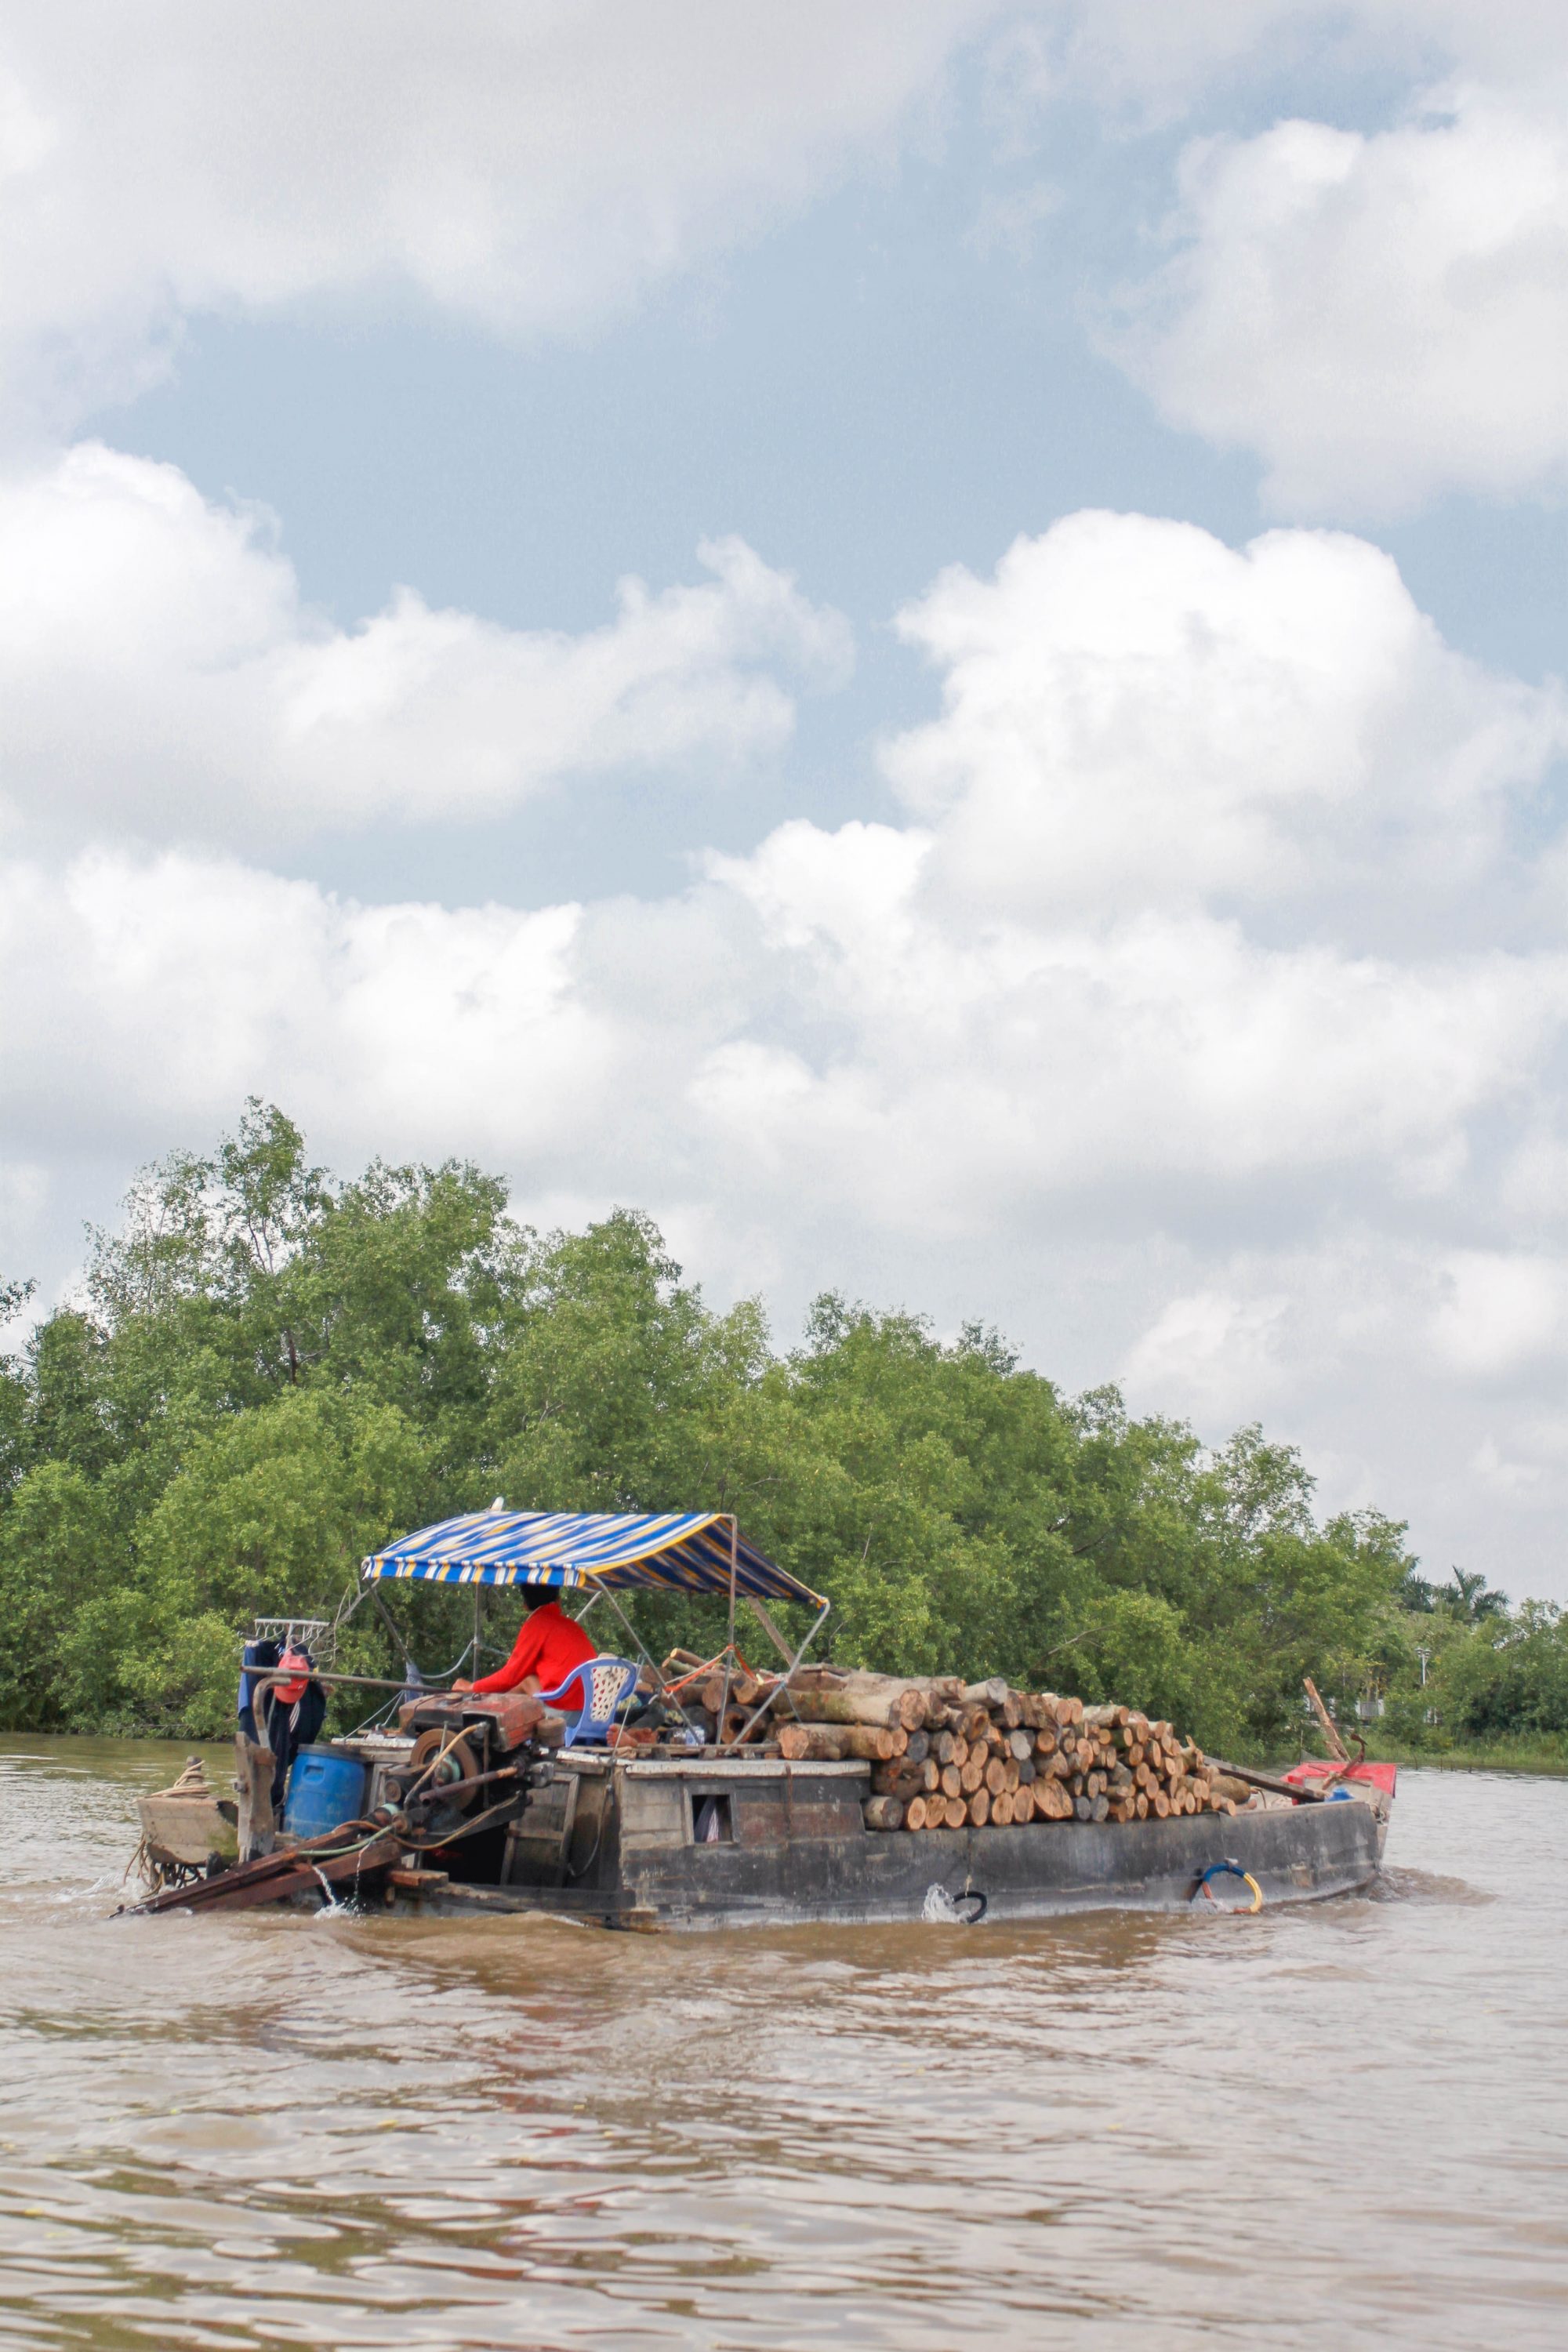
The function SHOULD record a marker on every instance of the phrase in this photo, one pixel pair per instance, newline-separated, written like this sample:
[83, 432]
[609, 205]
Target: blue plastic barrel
[326, 1789]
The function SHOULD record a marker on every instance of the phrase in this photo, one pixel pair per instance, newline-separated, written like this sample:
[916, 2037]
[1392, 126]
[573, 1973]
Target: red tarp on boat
[1382, 1776]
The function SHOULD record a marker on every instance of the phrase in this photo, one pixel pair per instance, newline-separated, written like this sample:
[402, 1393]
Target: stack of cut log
[702, 1695]
[946, 1754]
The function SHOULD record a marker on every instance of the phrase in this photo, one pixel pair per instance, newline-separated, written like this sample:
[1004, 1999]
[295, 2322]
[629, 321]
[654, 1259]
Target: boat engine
[470, 1757]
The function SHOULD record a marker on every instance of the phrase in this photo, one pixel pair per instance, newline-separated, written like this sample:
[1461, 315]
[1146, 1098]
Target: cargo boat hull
[624, 1845]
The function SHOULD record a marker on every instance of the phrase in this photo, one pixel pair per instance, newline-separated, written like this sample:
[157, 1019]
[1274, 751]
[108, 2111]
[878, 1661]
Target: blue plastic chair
[602, 1685]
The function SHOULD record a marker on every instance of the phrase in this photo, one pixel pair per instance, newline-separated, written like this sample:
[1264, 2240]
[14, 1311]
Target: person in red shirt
[548, 1646]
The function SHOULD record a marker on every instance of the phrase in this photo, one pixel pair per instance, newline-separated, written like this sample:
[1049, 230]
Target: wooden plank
[274, 1878]
[564, 1854]
[254, 1766]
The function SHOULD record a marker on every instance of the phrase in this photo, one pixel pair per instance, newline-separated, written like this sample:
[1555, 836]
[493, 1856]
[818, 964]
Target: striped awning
[671, 1552]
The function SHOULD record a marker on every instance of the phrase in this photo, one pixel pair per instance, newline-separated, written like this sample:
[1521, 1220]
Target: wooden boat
[616, 1842]
[727, 1835]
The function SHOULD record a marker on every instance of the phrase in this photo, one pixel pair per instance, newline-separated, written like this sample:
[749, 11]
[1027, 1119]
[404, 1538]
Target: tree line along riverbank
[269, 1372]
[1502, 1756]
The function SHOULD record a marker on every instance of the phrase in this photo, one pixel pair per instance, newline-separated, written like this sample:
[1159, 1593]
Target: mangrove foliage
[268, 1371]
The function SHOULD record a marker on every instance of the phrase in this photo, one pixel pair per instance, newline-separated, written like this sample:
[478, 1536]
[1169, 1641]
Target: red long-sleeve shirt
[548, 1645]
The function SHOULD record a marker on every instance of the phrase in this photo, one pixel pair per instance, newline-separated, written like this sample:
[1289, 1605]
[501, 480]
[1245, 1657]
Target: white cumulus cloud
[1135, 714]
[161, 675]
[1383, 317]
[521, 164]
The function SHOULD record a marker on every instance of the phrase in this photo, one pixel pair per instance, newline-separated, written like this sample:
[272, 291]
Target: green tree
[1508, 1679]
[270, 1370]
[56, 1670]
[1467, 1597]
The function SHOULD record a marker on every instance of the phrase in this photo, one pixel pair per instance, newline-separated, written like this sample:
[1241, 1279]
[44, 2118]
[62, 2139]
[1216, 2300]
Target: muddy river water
[1337, 2123]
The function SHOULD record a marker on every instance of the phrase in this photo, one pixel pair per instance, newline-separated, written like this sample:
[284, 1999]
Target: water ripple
[1333, 2120]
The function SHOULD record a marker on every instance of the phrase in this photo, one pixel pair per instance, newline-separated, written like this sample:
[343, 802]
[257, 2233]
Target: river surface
[1335, 2124]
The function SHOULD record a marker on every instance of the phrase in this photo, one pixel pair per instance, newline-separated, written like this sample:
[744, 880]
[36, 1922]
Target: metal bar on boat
[811, 1633]
[384, 1614]
[260, 1674]
[730, 1640]
[637, 1640]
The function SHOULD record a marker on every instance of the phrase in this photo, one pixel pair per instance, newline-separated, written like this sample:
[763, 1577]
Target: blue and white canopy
[671, 1552]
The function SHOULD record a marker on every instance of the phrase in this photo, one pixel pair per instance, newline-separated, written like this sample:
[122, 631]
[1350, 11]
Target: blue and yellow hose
[1231, 1870]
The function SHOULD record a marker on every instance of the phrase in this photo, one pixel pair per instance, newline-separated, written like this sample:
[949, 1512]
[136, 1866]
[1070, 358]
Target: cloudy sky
[922, 634]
